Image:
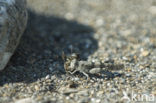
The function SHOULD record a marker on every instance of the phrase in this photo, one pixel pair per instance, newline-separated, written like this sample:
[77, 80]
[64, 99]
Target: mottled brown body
[72, 65]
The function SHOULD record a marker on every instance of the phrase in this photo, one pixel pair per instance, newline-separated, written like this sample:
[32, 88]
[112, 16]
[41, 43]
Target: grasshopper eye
[75, 56]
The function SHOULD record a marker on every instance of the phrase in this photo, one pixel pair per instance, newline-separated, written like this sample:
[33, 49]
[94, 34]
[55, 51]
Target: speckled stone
[13, 20]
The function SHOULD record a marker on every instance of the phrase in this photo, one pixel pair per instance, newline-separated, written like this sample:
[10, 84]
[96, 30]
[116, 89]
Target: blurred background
[122, 30]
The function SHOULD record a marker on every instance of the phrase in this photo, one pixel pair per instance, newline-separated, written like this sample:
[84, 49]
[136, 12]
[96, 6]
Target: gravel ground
[114, 31]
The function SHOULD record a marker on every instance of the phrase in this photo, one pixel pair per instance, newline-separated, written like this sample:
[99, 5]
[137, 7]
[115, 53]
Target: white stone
[26, 100]
[10, 2]
[152, 10]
